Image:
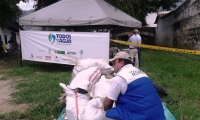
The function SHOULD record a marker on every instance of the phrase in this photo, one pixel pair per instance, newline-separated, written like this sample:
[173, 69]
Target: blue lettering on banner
[63, 38]
[60, 38]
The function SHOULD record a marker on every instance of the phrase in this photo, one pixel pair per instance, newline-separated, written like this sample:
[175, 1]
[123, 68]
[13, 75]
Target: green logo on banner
[60, 52]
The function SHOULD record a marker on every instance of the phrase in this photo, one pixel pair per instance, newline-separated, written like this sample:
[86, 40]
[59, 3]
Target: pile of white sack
[92, 76]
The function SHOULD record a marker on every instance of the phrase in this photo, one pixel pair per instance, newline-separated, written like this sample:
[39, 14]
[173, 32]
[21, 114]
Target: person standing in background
[1, 47]
[4, 48]
[138, 48]
[133, 52]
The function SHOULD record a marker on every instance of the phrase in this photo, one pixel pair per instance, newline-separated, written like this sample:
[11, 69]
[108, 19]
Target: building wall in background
[164, 30]
[7, 36]
[187, 25]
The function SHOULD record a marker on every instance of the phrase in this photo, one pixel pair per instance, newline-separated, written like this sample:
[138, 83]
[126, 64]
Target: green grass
[39, 85]
[13, 116]
[38, 88]
[179, 75]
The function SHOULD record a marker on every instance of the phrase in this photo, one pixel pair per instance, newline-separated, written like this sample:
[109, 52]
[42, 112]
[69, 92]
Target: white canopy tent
[79, 13]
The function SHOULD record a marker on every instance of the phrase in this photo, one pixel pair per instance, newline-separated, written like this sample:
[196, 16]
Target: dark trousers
[1, 49]
[139, 55]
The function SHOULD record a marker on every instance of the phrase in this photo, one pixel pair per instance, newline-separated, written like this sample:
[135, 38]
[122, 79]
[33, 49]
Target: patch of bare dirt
[6, 89]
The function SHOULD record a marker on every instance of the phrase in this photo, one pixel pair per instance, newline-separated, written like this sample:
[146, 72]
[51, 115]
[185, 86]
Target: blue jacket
[139, 102]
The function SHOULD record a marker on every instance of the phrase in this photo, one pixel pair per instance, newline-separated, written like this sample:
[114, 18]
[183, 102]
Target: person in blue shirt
[133, 93]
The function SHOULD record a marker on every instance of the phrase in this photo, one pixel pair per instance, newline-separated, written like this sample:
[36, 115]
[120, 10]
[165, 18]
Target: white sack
[75, 104]
[94, 110]
[102, 87]
[83, 64]
[86, 79]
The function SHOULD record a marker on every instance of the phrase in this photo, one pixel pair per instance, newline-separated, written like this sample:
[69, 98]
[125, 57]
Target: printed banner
[63, 47]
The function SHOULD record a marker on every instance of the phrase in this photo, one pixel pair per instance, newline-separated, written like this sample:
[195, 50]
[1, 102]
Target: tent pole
[20, 50]
[109, 44]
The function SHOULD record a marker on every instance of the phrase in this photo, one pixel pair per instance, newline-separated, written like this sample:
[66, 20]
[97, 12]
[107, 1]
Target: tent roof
[79, 13]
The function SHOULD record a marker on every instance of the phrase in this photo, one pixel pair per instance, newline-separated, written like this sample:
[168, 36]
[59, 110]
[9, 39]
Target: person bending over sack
[133, 92]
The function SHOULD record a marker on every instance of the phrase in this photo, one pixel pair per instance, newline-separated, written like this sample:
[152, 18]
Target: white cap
[123, 55]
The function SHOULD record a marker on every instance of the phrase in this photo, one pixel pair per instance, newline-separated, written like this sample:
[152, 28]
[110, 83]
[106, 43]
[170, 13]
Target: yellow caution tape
[158, 47]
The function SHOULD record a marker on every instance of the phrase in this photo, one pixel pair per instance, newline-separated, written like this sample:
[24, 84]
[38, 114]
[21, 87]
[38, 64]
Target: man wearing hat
[133, 92]
[133, 52]
[138, 48]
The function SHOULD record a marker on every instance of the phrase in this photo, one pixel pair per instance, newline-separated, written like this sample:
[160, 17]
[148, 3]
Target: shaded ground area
[7, 87]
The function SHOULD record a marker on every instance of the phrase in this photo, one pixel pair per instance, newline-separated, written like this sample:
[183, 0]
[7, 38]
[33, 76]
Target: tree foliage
[140, 8]
[9, 11]
[43, 3]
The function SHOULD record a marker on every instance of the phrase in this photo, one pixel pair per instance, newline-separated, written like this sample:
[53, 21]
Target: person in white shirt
[133, 92]
[138, 48]
[133, 52]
